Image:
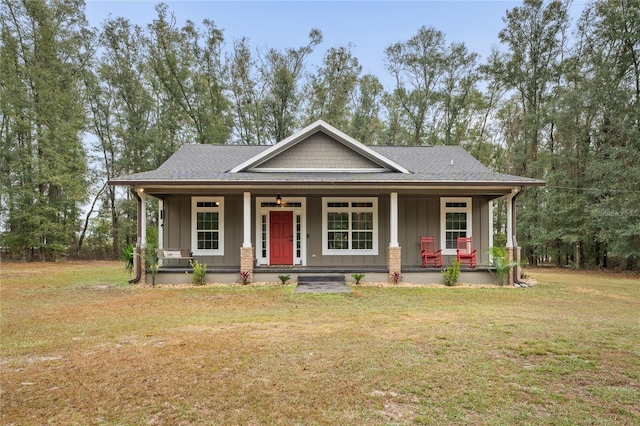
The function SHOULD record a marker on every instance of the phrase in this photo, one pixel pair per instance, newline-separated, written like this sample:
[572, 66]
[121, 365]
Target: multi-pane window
[263, 234]
[456, 221]
[350, 227]
[207, 229]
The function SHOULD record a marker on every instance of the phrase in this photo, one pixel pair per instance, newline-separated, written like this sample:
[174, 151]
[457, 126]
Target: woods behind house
[558, 100]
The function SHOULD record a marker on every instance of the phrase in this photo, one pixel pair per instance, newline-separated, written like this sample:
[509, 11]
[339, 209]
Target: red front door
[281, 238]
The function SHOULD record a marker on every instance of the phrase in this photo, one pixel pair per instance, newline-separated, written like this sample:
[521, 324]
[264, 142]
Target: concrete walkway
[322, 284]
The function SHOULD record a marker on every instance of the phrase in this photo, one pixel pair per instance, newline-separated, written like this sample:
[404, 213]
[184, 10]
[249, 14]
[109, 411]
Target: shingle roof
[211, 164]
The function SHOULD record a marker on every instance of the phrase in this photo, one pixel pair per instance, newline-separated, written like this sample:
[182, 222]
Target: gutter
[139, 238]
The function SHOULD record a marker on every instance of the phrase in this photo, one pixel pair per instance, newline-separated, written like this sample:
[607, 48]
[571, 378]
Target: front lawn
[81, 346]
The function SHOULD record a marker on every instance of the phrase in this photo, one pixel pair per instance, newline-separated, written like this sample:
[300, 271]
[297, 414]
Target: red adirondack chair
[465, 253]
[429, 252]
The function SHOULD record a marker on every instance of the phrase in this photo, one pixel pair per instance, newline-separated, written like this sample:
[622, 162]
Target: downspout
[139, 238]
[516, 279]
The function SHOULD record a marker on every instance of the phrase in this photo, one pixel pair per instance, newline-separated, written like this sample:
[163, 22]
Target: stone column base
[143, 266]
[511, 278]
[246, 261]
[394, 260]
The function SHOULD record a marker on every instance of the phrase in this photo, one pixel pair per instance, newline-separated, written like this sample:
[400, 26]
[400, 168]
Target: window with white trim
[455, 221]
[207, 226]
[350, 226]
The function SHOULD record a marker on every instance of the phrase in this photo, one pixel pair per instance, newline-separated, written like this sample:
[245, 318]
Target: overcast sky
[370, 26]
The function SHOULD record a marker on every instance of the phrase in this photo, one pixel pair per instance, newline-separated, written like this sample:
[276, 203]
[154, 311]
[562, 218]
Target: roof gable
[319, 147]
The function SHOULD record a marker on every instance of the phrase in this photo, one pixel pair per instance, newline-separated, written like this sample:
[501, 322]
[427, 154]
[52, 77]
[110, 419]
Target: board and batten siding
[177, 229]
[314, 230]
[418, 215]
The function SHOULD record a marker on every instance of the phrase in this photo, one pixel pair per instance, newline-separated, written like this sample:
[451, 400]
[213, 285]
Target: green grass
[80, 346]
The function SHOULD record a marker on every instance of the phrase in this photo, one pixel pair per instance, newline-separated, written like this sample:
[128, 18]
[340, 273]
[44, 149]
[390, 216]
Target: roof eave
[408, 183]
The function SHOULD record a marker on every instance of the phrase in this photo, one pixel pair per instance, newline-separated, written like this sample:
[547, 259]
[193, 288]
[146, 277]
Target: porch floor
[297, 269]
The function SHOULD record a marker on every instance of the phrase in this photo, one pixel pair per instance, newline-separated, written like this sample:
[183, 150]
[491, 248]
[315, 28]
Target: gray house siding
[177, 229]
[418, 215]
[314, 230]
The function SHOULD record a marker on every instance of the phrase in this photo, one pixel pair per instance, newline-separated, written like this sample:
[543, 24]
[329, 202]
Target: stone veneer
[394, 259]
[143, 265]
[246, 261]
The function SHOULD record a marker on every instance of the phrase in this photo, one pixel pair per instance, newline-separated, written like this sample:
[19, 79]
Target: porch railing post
[394, 251]
[246, 251]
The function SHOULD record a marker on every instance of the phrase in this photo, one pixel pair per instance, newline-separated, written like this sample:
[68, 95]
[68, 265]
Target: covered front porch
[244, 219]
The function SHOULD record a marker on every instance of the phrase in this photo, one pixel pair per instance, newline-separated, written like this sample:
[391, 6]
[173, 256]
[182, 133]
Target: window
[349, 226]
[207, 219]
[455, 221]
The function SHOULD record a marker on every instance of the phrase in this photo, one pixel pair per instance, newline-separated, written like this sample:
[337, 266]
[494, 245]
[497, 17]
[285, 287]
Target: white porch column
[143, 219]
[393, 221]
[510, 219]
[511, 256]
[160, 223]
[394, 252]
[247, 220]
[491, 208]
[247, 258]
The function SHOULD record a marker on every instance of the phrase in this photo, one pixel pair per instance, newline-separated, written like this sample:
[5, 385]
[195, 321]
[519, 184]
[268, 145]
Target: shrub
[126, 256]
[245, 276]
[357, 277]
[199, 272]
[284, 278]
[395, 277]
[502, 267]
[451, 274]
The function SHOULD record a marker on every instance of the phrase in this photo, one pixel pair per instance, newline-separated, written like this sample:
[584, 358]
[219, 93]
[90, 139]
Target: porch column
[393, 219]
[160, 227]
[394, 251]
[511, 236]
[246, 251]
[143, 236]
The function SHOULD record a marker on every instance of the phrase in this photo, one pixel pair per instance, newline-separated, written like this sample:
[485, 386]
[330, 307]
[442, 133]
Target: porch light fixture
[279, 200]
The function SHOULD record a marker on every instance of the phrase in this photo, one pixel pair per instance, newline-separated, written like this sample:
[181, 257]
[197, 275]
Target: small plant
[126, 256]
[284, 278]
[451, 274]
[199, 272]
[245, 276]
[500, 263]
[395, 277]
[357, 277]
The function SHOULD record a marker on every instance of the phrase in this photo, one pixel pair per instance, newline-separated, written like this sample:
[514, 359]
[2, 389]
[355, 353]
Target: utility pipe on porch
[393, 219]
[136, 253]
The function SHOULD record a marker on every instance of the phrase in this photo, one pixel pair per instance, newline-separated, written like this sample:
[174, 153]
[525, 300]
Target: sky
[370, 26]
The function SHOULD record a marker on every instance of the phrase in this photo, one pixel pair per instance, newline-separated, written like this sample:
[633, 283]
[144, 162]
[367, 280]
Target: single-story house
[321, 202]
